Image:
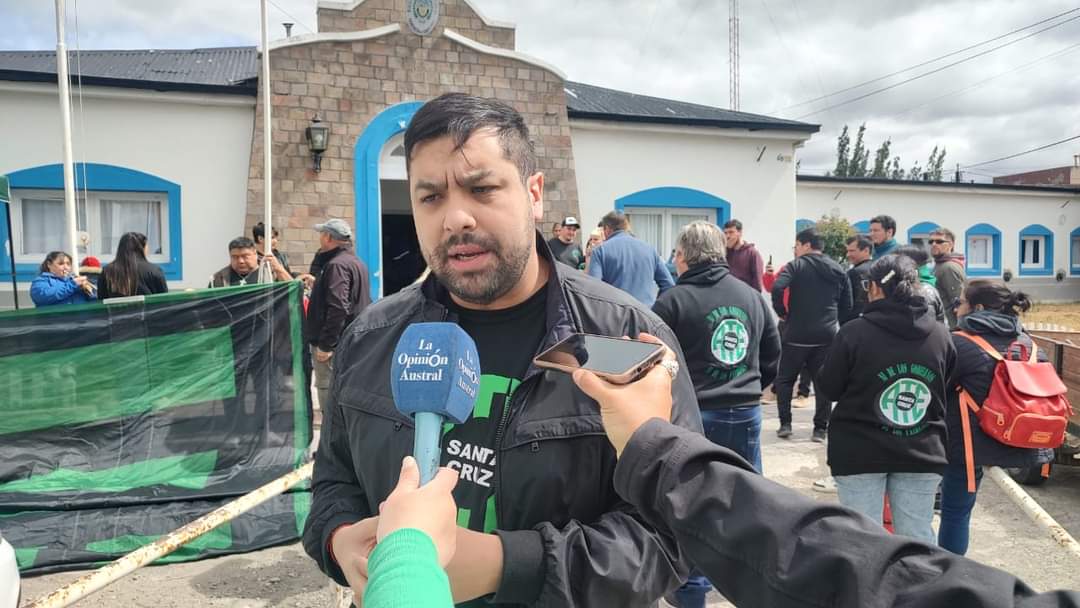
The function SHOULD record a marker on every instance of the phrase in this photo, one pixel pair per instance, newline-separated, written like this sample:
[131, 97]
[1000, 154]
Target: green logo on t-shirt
[905, 402]
[470, 449]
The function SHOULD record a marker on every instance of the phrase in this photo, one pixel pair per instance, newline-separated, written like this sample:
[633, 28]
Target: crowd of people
[541, 510]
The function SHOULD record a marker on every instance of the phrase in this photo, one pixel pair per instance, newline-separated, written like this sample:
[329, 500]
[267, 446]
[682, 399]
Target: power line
[295, 20]
[928, 62]
[984, 81]
[997, 160]
[936, 70]
[784, 44]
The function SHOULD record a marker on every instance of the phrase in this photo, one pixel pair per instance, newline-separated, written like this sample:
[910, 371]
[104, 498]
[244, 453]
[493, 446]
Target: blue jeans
[911, 496]
[956, 506]
[739, 430]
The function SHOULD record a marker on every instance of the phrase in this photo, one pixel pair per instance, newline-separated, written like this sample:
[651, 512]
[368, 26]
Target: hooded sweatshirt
[885, 248]
[889, 372]
[727, 334]
[950, 275]
[820, 295]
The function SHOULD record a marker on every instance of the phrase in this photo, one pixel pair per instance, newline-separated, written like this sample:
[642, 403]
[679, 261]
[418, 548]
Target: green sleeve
[404, 572]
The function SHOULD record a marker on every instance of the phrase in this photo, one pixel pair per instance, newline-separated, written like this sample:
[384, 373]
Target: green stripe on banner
[301, 508]
[219, 538]
[25, 557]
[300, 404]
[190, 471]
[104, 381]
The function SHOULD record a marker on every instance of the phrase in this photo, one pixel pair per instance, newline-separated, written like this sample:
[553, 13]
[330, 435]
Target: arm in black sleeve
[833, 376]
[618, 559]
[337, 306]
[769, 349]
[337, 498]
[844, 302]
[782, 282]
[762, 544]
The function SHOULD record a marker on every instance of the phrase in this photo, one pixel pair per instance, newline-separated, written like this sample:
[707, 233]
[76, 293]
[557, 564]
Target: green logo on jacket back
[730, 342]
[905, 402]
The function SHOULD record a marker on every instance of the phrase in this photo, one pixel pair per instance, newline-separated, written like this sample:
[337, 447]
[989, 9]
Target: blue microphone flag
[435, 369]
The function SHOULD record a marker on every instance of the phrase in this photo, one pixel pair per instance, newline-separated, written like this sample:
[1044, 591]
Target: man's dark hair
[241, 242]
[887, 223]
[459, 116]
[258, 232]
[861, 242]
[945, 232]
[811, 236]
[615, 221]
[736, 224]
[920, 256]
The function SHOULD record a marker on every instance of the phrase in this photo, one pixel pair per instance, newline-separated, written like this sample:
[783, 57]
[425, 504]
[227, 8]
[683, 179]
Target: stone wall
[455, 15]
[348, 83]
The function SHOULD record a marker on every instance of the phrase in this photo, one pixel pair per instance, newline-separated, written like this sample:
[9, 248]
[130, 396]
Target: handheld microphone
[435, 377]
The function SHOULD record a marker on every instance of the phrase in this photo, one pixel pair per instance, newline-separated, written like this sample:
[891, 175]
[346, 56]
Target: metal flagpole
[265, 274]
[70, 214]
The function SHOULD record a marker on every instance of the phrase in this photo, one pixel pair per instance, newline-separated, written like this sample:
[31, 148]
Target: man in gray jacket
[948, 270]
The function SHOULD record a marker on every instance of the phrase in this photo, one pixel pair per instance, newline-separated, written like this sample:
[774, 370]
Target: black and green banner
[120, 423]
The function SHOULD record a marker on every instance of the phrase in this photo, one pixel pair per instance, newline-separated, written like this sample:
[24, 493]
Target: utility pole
[71, 241]
[733, 52]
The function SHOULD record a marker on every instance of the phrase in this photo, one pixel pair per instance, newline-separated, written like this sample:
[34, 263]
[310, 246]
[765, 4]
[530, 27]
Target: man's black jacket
[340, 293]
[761, 544]
[859, 278]
[568, 539]
[727, 333]
[820, 295]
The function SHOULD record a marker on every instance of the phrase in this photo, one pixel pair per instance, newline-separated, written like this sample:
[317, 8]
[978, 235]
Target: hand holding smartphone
[616, 360]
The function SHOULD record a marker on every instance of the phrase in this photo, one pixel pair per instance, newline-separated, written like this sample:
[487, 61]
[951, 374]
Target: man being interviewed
[541, 524]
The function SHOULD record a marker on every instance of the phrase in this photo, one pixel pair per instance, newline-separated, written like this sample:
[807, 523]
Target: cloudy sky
[1019, 97]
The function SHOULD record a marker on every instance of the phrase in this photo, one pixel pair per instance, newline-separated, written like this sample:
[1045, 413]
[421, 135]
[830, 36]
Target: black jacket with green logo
[726, 332]
[888, 371]
[567, 537]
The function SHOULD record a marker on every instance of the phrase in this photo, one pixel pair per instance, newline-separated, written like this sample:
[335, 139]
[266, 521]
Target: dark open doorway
[402, 261]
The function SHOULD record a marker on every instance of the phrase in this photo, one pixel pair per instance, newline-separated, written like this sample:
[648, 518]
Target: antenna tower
[733, 52]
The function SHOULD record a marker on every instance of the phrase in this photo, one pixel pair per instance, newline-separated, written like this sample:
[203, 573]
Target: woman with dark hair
[927, 280]
[989, 310]
[888, 371]
[55, 285]
[130, 273]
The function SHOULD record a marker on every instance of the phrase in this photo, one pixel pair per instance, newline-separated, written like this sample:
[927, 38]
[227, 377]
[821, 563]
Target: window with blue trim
[983, 251]
[862, 228]
[658, 214]
[919, 234]
[1036, 251]
[1074, 252]
[110, 201]
[803, 224]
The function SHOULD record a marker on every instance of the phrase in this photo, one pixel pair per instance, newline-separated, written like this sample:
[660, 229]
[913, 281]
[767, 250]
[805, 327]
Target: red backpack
[1025, 408]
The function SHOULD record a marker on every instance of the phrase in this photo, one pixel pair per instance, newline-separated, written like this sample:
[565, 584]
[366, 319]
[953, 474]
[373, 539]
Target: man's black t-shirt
[569, 254]
[506, 341]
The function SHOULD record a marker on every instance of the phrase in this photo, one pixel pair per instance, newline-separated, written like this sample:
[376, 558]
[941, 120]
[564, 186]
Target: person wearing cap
[565, 245]
[90, 267]
[339, 292]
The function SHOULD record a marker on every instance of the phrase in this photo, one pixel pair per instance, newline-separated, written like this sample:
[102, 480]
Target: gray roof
[218, 70]
[234, 70]
[586, 101]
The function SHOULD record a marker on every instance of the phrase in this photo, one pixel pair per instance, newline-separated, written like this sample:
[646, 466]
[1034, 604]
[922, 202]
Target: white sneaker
[825, 485]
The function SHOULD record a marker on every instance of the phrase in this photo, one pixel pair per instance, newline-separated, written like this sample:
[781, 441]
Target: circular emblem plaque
[422, 16]
[730, 342]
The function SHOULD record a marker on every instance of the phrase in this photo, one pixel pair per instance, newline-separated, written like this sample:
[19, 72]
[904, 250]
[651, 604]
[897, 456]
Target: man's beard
[482, 287]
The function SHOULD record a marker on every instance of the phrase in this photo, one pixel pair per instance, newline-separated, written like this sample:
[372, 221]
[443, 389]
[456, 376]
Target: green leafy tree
[860, 155]
[834, 231]
[935, 167]
[915, 173]
[895, 171]
[881, 160]
[843, 145]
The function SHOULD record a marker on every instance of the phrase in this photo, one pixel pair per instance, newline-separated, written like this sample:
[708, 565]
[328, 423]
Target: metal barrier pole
[84, 586]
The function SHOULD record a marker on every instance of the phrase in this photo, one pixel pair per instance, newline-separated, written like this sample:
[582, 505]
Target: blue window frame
[982, 249]
[803, 224]
[95, 177]
[862, 228]
[1036, 251]
[919, 234]
[1074, 252]
[668, 200]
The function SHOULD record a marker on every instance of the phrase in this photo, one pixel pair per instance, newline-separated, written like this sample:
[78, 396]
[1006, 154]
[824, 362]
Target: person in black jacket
[989, 310]
[338, 295]
[540, 524]
[130, 273]
[820, 295]
[731, 347]
[859, 251]
[765, 545]
[888, 372]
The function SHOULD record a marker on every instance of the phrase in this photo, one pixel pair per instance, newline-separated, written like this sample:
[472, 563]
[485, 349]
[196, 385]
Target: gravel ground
[1002, 536]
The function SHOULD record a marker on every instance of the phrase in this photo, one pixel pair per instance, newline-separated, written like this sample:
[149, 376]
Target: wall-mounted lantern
[317, 136]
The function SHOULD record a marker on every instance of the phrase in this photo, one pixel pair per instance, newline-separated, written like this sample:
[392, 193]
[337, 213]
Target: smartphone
[614, 359]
